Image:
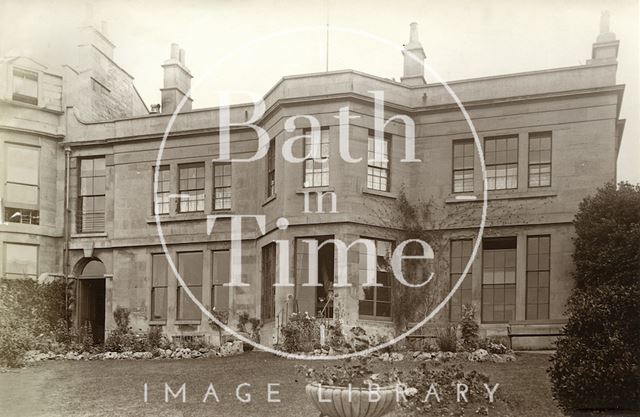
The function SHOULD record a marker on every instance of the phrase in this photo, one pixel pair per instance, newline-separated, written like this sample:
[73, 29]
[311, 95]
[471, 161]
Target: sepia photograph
[275, 208]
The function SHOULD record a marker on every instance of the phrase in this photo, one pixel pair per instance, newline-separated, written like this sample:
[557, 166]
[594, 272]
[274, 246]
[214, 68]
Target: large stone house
[550, 138]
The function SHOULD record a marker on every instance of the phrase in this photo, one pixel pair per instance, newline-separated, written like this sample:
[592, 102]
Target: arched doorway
[91, 297]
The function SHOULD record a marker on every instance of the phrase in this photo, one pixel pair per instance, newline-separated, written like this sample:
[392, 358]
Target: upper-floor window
[92, 195]
[159, 269]
[498, 280]
[538, 253]
[271, 169]
[21, 204]
[191, 187]
[222, 186]
[501, 157]
[162, 197]
[462, 166]
[540, 159]
[25, 86]
[459, 257]
[316, 171]
[376, 301]
[98, 87]
[190, 269]
[21, 261]
[379, 164]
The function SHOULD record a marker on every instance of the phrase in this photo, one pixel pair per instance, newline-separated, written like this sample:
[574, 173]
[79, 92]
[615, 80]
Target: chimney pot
[177, 82]
[413, 70]
[413, 35]
[175, 50]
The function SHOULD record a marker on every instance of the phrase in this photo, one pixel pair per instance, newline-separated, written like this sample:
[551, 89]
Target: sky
[462, 39]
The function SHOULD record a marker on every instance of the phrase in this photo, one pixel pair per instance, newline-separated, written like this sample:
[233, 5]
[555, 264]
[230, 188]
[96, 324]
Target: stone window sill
[500, 195]
[387, 194]
[375, 320]
[315, 190]
[188, 217]
[88, 234]
[269, 199]
[187, 322]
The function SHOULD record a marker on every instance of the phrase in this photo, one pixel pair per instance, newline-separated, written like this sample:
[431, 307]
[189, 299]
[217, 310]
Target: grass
[115, 388]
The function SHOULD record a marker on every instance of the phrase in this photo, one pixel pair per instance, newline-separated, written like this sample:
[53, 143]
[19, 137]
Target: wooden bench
[534, 328]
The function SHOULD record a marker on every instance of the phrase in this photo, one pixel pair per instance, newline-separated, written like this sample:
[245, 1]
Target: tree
[597, 362]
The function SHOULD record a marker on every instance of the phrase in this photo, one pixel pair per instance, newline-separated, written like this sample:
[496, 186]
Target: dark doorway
[324, 293]
[92, 305]
[92, 298]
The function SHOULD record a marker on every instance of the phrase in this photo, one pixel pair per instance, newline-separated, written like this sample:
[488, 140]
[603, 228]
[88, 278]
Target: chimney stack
[177, 81]
[413, 73]
[606, 46]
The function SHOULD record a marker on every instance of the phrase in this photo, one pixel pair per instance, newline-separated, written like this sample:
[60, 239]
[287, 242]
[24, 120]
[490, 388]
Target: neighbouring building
[550, 138]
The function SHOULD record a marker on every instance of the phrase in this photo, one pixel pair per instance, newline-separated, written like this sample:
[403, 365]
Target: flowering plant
[355, 372]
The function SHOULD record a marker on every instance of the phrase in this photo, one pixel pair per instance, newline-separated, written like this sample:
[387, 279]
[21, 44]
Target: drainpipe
[65, 264]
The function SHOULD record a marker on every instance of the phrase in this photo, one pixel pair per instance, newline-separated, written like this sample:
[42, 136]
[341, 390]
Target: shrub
[15, 340]
[121, 339]
[493, 345]
[596, 365]
[29, 312]
[469, 327]
[597, 362]
[447, 339]
[336, 338]
[121, 317]
[155, 339]
[300, 333]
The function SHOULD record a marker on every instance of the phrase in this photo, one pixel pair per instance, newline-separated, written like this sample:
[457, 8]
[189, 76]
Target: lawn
[117, 387]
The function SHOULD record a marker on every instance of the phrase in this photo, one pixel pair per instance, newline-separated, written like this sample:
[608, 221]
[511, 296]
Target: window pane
[498, 289]
[159, 270]
[187, 309]
[221, 267]
[25, 86]
[22, 194]
[23, 164]
[159, 303]
[21, 260]
[538, 277]
[190, 267]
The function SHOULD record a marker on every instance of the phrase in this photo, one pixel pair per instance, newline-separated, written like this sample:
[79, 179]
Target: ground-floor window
[460, 253]
[498, 280]
[538, 250]
[21, 261]
[159, 268]
[268, 310]
[190, 269]
[376, 301]
[318, 299]
[221, 267]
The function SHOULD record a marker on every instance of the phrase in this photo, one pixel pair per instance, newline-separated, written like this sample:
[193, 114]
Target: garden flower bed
[228, 349]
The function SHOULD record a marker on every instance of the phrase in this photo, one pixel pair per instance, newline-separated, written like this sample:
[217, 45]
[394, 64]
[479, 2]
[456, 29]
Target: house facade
[549, 139]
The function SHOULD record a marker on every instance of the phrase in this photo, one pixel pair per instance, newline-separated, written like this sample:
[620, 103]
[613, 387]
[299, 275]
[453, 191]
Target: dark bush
[29, 312]
[300, 333]
[597, 363]
[447, 339]
[469, 327]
